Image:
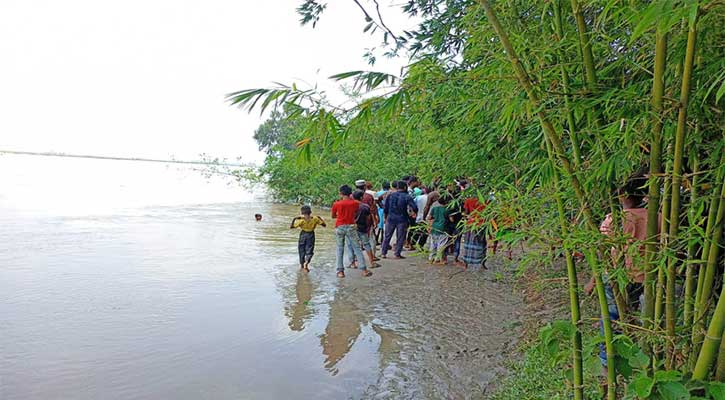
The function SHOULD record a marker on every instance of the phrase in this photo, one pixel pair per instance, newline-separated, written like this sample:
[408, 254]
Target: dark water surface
[202, 302]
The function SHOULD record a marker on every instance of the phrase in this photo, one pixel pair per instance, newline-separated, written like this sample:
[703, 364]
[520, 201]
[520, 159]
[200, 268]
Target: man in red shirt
[343, 211]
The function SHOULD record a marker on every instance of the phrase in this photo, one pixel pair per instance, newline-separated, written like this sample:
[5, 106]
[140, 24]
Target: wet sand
[443, 333]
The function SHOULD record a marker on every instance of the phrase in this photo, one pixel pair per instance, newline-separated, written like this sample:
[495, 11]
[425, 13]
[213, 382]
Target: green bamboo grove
[553, 105]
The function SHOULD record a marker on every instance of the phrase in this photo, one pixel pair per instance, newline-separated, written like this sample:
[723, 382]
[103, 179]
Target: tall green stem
[555, 140]
[576, 339]
[720, 366]
[655, 170]
[691, 247]
[571, 122]
[606, 325]
[709, 274]
[585, 46]
[712, 340]
[676, 183]
[660, 287]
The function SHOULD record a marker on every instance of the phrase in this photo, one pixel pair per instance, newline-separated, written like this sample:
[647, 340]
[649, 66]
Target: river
[198, 300]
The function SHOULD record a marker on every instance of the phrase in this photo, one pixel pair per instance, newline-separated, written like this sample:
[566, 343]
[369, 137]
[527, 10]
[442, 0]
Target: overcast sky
[148, 77]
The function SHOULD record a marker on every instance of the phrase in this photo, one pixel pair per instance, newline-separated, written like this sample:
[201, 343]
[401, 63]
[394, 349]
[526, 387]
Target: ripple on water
[203, 301]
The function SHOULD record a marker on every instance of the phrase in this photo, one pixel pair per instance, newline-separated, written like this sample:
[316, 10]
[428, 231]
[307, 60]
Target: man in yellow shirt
[306, 245]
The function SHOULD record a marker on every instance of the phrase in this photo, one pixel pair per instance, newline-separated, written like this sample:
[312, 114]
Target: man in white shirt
[420, 233]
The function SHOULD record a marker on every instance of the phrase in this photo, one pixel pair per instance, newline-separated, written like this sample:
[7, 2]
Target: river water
[195, 301]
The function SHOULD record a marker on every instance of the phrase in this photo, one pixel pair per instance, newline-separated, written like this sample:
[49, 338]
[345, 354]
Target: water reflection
[342, 331]
[301, 311]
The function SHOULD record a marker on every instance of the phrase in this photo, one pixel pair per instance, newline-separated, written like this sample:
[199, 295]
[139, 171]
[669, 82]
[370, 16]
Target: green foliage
[533, 378]
[462, 108]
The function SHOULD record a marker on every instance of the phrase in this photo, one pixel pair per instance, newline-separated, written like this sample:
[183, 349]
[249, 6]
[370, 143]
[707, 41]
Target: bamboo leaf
[673, 391]
[641, 386]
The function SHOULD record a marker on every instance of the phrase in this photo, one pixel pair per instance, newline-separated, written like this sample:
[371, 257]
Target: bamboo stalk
[585, 45]
[556, 144]
[695, 328]
[709, 273]
[607, 327]
[709, 226]
[676, 183]
[576, 339]
[660, 287]
[571, 123]
[691, 248]
[655, 169]
[523, 78]
[720, 366]
[712, 340]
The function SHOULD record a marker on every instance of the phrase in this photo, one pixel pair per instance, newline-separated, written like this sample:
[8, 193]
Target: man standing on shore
[396, 215]
[343, 211]
[369, 199]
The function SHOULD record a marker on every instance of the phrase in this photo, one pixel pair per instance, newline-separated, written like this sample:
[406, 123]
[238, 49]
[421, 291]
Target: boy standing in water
[306, 245]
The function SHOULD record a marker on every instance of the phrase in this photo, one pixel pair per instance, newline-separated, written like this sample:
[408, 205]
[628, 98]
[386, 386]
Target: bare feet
[307, 267]
[340, 274]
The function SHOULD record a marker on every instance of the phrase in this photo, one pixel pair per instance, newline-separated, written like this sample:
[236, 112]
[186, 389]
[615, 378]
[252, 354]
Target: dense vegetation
[552, 104]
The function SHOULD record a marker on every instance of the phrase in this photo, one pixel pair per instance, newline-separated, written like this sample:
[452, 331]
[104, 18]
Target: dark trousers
[306, 246]
[401, 230]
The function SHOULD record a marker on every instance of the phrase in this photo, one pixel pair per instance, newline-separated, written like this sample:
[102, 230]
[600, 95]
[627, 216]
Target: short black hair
[402, 185]
[305, 210]
[445, 199]
[345, 190]
[635, 187]
[386, 185]
[358, 194]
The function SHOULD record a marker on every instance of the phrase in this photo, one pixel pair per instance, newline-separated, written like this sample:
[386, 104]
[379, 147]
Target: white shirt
[420, 201]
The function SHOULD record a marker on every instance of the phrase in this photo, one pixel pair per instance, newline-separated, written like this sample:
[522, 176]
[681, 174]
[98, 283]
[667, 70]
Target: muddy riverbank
[443, 333]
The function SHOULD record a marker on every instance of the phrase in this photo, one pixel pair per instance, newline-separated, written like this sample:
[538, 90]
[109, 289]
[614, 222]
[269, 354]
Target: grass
[534, 378]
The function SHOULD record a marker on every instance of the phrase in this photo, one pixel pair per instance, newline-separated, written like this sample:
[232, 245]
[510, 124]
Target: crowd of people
[404, 215]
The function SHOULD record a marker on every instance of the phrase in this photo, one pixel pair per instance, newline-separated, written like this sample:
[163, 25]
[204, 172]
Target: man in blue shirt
[396, 214]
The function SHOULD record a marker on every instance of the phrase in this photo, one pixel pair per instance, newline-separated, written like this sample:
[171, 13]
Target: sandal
[367, 273]
[340, 274]
[375, 265]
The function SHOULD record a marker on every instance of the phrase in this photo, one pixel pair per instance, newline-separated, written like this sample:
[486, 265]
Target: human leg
[387, 236]
[309, 249]
[301, 245]
[401, 231]
[340, 241]
[352, 234]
